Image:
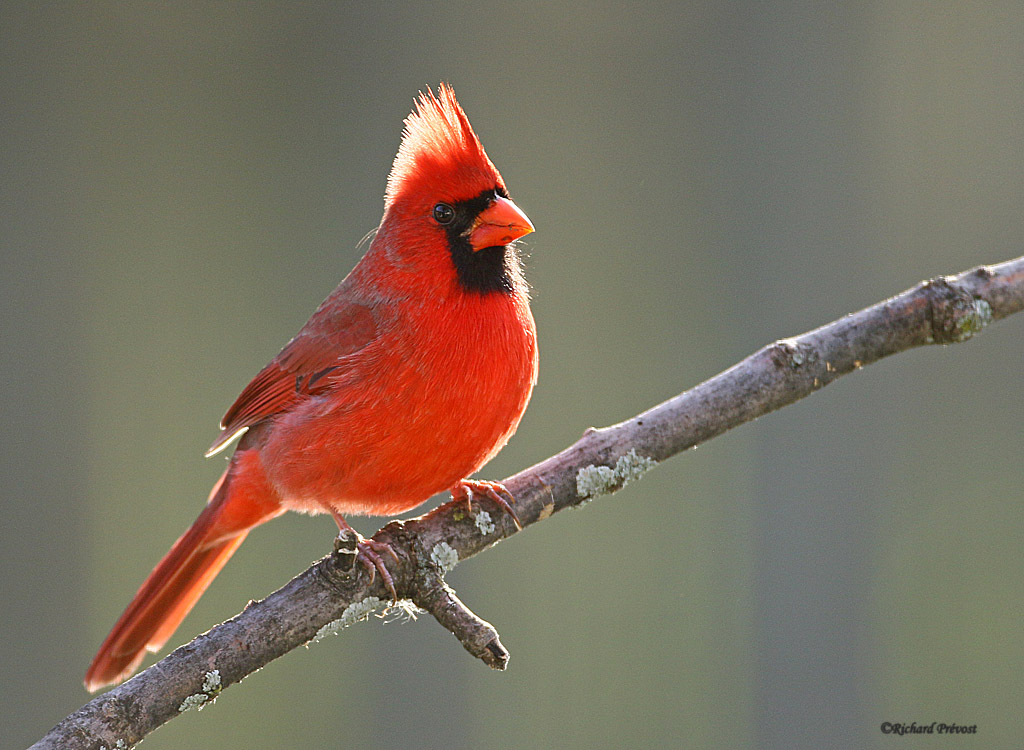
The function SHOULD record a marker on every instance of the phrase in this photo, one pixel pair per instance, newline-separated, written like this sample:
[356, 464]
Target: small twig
[333, 593]
[477, 636]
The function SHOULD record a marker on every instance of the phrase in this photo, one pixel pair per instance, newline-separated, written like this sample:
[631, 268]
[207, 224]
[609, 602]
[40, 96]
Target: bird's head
[444, 192]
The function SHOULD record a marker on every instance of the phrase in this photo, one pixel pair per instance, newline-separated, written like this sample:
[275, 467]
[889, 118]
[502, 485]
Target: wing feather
[339, 328]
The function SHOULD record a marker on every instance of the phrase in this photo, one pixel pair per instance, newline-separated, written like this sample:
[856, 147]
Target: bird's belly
[416, 428]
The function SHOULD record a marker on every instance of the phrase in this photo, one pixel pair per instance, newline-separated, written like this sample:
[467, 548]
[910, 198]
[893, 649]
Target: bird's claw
[465, 490]
[368, 554]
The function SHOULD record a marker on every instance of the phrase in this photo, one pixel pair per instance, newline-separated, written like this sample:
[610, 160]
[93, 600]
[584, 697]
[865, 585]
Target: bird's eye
[444, 214]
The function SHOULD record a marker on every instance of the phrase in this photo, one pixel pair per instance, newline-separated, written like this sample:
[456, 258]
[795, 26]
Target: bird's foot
[369, 556]
[465, 490]
[368, 553]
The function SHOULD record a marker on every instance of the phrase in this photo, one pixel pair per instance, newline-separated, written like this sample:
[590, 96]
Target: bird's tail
[238, 502]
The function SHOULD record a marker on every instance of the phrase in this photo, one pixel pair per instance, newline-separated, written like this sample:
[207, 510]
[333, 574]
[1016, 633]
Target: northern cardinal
[408, 378]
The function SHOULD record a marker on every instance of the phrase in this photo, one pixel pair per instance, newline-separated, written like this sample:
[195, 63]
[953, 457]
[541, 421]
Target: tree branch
[335, 592]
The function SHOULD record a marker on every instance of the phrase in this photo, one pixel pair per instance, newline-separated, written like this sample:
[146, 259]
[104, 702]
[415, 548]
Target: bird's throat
[488, 271]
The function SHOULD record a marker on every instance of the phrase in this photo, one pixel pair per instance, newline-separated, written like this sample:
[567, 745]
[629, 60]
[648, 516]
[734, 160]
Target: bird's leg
[368, 553]
[465, 489]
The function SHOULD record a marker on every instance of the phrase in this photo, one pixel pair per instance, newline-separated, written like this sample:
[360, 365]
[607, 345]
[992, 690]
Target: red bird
[409, 377]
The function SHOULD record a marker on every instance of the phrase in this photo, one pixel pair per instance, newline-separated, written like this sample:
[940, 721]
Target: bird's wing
[336, 330]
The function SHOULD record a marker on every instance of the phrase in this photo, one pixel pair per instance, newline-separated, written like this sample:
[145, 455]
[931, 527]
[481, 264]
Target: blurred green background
[182, 185]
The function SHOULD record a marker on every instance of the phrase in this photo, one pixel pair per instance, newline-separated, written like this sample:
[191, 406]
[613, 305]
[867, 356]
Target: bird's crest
[440, 154]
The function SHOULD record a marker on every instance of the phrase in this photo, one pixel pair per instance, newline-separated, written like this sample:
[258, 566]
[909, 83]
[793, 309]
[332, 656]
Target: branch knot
[791, 354]
[955, 313]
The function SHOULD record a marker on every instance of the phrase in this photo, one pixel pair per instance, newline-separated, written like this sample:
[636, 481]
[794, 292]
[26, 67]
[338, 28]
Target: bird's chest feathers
[475, 353]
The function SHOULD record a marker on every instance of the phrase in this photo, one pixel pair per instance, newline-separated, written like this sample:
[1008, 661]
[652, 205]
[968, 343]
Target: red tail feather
[177, 582]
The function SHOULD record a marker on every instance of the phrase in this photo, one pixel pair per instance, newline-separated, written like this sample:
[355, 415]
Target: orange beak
[499, 224]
